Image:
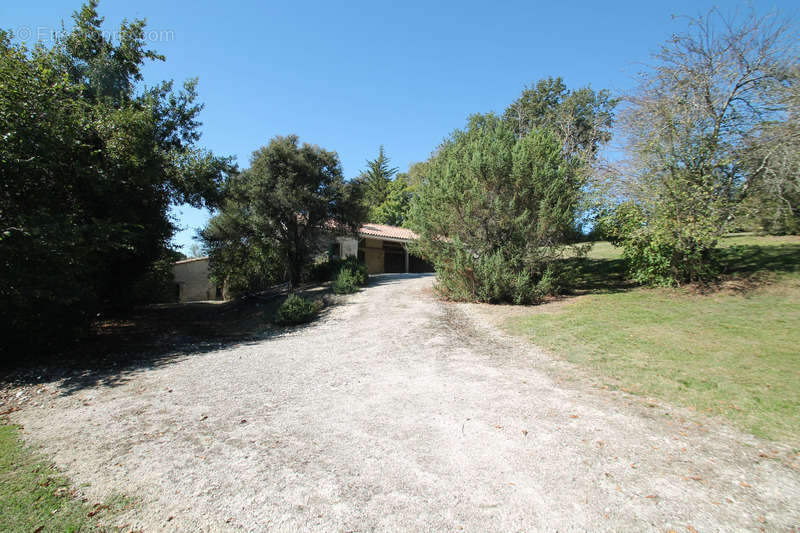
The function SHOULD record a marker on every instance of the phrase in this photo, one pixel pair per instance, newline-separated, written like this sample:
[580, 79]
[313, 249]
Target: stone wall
[192, 278]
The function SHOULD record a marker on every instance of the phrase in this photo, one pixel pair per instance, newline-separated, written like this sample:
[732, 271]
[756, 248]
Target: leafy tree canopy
[580, 119]
[376, 179]
[90, 165]
[393, 210]
[386, 194]
[277, 214]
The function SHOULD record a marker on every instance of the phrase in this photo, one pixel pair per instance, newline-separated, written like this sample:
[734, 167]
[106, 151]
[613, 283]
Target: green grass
[733, 351]
[34, 497]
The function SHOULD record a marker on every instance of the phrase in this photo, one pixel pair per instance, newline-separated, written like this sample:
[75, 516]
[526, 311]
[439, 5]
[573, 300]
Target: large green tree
[581, 119]
[385, 193]
[90, 165]
[376, 179]
[278, 212]
[393, 210]
[495, 211]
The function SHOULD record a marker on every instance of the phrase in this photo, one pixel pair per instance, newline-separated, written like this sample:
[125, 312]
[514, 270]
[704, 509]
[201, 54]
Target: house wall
[192, 278]
[373, 255]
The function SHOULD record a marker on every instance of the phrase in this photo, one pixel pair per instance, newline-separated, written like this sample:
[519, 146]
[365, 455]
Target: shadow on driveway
[147, 338]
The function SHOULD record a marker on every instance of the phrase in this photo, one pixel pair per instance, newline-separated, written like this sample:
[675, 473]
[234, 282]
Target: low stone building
[192, 280]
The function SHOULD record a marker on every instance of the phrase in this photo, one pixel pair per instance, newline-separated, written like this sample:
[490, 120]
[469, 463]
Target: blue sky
[350, 76]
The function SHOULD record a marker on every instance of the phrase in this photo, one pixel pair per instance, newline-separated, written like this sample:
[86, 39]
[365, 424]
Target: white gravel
[399, 413]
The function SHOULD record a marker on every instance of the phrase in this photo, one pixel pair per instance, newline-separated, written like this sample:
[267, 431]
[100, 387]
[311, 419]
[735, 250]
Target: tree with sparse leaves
[772, 159]
[703, 115]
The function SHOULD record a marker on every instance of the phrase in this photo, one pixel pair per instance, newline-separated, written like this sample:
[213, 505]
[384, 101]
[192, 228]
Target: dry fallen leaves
[97, 508]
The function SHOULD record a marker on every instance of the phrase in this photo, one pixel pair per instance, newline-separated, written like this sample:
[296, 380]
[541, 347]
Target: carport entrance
[394, 257]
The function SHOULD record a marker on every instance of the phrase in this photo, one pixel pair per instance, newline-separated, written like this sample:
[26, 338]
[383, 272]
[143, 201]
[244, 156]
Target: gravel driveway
[399, 413]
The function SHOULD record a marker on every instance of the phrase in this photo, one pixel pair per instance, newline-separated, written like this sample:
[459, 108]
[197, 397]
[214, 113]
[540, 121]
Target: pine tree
[376, 182]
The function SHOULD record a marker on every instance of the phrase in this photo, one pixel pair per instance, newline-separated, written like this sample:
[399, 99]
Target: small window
[335, 250]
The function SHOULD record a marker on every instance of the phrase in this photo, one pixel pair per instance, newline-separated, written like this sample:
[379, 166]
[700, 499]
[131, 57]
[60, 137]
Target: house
[192, 281]
[382, 248]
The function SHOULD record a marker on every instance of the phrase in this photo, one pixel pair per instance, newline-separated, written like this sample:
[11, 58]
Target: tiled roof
[191, 260]
[386, 232]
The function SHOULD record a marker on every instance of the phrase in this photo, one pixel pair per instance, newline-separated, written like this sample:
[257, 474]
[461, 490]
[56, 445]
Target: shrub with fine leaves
[495, 213]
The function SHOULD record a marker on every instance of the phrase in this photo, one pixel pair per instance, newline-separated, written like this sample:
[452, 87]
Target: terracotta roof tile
[386, 232]
[190, 260]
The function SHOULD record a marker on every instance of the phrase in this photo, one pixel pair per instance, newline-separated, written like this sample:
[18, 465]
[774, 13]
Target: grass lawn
[34, 497]
[733, 351]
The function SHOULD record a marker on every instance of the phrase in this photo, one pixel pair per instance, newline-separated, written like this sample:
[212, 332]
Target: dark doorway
[418, 265]
[394, 259]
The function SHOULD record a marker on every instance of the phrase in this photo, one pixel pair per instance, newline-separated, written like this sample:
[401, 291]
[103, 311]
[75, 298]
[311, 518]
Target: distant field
[733, 351]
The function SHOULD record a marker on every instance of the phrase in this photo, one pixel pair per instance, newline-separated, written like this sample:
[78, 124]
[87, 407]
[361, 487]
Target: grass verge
[34, 497]
[732, 351]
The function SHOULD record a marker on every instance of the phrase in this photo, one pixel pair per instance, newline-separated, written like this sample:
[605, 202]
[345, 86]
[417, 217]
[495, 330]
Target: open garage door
[394, 257]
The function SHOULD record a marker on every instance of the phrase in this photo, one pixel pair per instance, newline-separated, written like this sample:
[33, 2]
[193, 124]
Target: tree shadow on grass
[598, 276]
[737, 262]
[750, 259]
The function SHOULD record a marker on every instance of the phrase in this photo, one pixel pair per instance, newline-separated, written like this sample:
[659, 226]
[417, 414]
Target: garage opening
[418, 265]
[394, 257]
